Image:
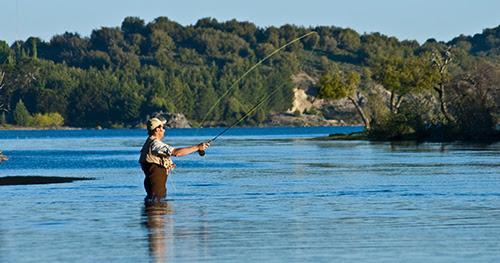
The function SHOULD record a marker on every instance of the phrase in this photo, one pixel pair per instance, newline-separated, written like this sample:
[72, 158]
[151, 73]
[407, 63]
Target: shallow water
[259, 194]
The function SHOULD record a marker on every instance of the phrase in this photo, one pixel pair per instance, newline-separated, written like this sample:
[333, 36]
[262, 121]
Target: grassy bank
[366, 136]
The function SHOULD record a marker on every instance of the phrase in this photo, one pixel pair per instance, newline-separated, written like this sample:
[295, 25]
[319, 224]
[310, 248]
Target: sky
[405, 19]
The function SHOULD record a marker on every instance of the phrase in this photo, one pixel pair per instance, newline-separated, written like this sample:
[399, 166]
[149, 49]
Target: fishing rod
[233, 85]
[266, 98]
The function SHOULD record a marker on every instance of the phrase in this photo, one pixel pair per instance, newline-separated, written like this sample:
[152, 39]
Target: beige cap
[155, 122]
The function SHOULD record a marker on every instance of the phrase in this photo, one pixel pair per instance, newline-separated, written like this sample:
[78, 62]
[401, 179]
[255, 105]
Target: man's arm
[191, 149]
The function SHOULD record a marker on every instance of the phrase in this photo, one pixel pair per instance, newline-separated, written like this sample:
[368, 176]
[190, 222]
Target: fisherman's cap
[155, 122]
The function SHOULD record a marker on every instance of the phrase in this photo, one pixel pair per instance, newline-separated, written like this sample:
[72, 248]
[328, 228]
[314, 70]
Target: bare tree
[441, 62]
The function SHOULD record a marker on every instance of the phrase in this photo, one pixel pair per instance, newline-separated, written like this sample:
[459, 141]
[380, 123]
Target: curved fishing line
[256, 106]
[233, 85]
[265, 99]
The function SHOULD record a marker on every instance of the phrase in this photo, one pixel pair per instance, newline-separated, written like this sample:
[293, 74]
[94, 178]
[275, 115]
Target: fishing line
[262, 101]
[265, 99]
[233, 85]
[172, 184]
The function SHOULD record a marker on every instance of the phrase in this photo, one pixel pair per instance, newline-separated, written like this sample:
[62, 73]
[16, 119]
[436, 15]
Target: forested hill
[119, 75]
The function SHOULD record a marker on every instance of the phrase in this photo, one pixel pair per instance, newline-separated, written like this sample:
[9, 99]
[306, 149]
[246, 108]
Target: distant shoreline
[19, 128]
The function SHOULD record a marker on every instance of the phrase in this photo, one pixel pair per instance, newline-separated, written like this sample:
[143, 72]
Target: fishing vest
[147, 156]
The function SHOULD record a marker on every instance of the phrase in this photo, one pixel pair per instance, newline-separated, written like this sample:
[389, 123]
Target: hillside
[118, 76]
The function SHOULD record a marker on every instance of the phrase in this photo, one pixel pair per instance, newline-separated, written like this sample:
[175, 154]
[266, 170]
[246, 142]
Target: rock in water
[176, 120]
[173, 120]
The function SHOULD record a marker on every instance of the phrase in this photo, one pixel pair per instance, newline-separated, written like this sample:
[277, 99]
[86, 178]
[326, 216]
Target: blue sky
[405, 19]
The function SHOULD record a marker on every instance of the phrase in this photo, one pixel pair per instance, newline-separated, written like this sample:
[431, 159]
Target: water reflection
[156, 221]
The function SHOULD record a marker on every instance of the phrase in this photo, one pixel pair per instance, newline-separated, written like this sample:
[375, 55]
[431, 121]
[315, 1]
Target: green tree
[34, 48]
[245, 30]
[207, 98]
[403, 76]
[19, 78]
[53, 119]
[475, 96]
[5, 52]
[125, 104]
[97, 59]
[349, 39]
[160, 42]
[338, 85]
[153, 81]
[133, 25]
[105, 38]
[3, 119]
[91, 100]
[21, 116]
[67, 48]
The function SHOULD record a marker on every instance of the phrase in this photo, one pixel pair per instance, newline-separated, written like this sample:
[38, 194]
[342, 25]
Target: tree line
[118, 76]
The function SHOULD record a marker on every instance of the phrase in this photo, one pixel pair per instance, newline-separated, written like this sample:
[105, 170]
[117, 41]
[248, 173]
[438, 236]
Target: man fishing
[156, 162]
[155, 155]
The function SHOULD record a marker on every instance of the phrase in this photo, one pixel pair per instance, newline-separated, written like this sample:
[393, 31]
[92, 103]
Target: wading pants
[155, 181]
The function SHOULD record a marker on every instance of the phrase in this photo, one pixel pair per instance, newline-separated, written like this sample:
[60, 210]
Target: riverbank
[23, 128]
[365, 136]
[355, 136]
[304, 120]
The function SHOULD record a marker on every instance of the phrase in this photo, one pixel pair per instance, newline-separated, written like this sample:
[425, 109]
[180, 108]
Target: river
[259, 195]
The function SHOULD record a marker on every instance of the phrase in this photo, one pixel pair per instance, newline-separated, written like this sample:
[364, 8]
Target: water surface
[259, 194]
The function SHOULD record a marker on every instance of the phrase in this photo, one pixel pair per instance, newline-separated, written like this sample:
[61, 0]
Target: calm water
[259, 195]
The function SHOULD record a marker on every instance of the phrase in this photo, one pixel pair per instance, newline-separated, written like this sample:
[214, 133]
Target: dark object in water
[3, 157]
[18, 180]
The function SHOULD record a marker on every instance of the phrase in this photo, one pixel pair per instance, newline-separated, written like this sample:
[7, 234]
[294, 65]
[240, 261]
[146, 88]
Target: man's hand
[203, 146]
[171, 167]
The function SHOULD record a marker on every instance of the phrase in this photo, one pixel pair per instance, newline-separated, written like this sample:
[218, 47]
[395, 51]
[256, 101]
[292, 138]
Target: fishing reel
[202, 152]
